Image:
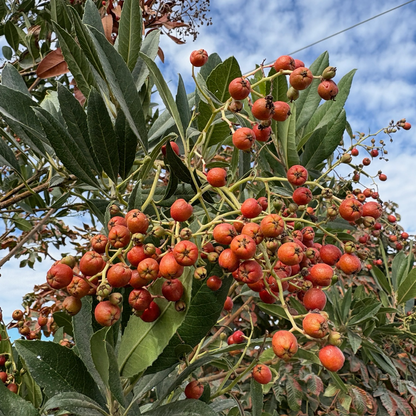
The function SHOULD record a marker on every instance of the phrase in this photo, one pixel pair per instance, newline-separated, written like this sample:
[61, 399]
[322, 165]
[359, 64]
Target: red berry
[228, 304]
[284, 62]
[243, 138]
[331, 358]
[199, 57]
[180, 210]
[217, 177]
[407, 126]
[239, 88]
[327, 89]
[194, 390]
[301, 78]
[355, 152]
[262, 374]
[214, 283]
[382, 177]
[174, 147]
[281, 111]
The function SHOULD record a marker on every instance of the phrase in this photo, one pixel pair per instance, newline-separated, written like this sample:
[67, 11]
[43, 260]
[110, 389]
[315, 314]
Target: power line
[352, 27]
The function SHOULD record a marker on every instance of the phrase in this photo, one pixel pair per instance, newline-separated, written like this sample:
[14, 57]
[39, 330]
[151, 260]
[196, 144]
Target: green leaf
[11, 78]
[75, 403]
[213, 61]
[289, 141]
[76, 122]
[307, 355]
[273, 310]
[86, 43]
[22, 224]
[188, 407]
[63, 320]
[102, 136]
[346, 305]
[136, 198]
[164, 92]
[83, 333]
[294, 394]
[142, 342]
[121, 84]
[59, 14]
[13, 404]
[130, 32]
[116, 387]
[126, 144]
[256, 394]
[149, 47]
[12, 35]
[381, 278]
[407, 289]
[3, 10]
[355, 341]
[7, 156]
[183, 103]
[57, 369]
[221, 76]
[323, 142]
[338, 382]
[65, 147]
[309, 99]
[92, 16]
[6, 50]
[76, 60]
[204, 309]
[17, 109]
[99, 354]
[369, 312]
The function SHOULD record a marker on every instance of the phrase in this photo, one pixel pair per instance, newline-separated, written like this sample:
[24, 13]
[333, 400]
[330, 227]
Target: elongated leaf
[122, 85]
[92, 16]
[130, 32]
[346, 304]
[182, 103]
[273, 310]
[65, 148]
[57, 369]
[407, 289]
[136, 198]
[294, 393]
[76, 403]
[142, 342]
[399, 269]
[164, 92]
[76, 60]
[12, 35]
[309, 99]
[126, 144]
[11, 78]
[369, 312]
[221, 76]
[13, 404]
[114, 381]
[59, 14]
[323, 142]
[52, 65]
[99, 354]
[204, 308]
[338, 382]
[289, 144]
[355, 341]
[256, 393]
[7, 156]
[102, 136]
[381, 278]
[189, 407]
[76, 121]
[307, 355]
[149, 47]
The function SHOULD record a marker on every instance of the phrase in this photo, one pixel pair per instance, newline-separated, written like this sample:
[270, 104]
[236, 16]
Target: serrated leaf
[57, 369]
[204, 308]
[76, 403]
[76, 60]
[314, 384]
[11, 78]
[221, 76]
[102, 136]
[130, 32]
[13, 404]
[143, 342]
[121, 84]
[294, 394]
[164, 92]
[126, 144]
[65, 148]
[76, 122]
[407, 289]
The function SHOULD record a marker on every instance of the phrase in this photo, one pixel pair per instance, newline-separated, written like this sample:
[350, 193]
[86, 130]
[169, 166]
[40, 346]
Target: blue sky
[383, 51]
